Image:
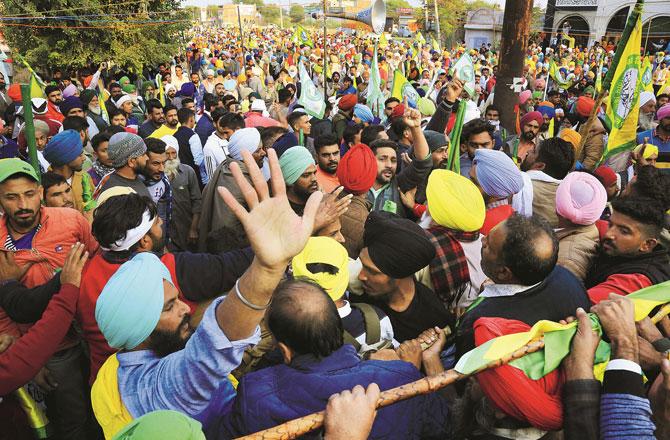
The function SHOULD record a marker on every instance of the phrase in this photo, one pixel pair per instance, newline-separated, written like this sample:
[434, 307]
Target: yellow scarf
[106, 399]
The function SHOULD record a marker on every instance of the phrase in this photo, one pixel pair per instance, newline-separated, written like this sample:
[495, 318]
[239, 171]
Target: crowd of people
[194, 254]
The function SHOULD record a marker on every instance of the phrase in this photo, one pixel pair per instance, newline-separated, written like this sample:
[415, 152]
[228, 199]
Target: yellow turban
[327, 251]
[649, 150]
[454, 201]
[570, 135]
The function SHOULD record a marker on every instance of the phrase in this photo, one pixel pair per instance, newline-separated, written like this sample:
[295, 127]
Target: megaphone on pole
[375, 16]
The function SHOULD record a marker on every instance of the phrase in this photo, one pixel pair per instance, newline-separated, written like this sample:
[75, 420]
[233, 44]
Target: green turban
[294, 162]
[164, 425]
[129, 88]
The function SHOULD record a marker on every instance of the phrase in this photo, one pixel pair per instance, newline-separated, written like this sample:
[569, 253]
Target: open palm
[276, 233]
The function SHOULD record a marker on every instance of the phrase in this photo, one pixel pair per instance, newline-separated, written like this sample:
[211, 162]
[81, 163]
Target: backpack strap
[373, 328]
[348, 339]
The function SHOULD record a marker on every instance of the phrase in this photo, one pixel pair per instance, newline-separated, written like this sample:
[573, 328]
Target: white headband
[133, 235]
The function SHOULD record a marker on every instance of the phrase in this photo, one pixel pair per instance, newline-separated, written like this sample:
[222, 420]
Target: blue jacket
[274, 395]
[204, 128]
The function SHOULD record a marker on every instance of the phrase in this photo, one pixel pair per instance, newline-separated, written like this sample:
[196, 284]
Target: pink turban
[525, 96]
[531, 116]
[663, 112]
[580, 198]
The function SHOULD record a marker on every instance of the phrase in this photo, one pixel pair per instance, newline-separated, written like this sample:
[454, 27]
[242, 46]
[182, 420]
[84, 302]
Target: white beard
[172, 168]
[645, 121]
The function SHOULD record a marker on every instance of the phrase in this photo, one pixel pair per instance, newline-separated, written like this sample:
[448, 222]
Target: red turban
[357, 169]
[531, 116]
[584, 106]
[398, 111]
[536, 401]
[347, 102]
[14, 92]
[606, 175]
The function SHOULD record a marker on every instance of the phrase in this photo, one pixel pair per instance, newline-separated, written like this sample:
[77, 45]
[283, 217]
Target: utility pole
[437, 23]
[281, 16]
[425, 23]
[513, 45]
[239, 23]
[325, 57]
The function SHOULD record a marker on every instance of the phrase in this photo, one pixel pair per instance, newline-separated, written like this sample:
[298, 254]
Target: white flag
[310, 98]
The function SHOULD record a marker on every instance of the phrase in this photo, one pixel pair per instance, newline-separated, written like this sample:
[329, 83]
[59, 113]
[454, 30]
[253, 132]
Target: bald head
[303, 317]
[521, 250]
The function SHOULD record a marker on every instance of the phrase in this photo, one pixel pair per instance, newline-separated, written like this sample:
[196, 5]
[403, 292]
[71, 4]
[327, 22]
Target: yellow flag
[665, 88]
[436, 45]
[383, 42]
[420, 39]
[36, 91]
[622, 101]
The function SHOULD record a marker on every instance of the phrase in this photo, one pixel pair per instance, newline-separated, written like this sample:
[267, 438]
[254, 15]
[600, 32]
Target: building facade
[598, 20]
[483, 26]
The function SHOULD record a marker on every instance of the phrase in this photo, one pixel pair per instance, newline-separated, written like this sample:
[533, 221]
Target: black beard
[164, 343]
[528, 135]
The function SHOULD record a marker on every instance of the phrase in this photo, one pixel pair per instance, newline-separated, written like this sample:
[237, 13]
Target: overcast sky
[541, 3]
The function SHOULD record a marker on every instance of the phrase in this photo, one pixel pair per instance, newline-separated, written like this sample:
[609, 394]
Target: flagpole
[325, 60]
[239, 23]
[30, 128]
[297, 427]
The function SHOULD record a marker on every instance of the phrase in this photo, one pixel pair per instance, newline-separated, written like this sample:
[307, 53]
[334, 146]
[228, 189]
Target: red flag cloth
[537, 402]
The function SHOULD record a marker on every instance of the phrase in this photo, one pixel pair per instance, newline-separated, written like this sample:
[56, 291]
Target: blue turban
[363, 113]
[546, 111]
[497, 174]
[131, 302]
[69, 103]
[294, 162]
[245, 139]
[63, 148]
[187, 89]
[284, 142]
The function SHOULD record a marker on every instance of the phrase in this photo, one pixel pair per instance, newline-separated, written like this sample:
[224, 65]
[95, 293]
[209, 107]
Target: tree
[132, 35]
[453, 15]
[297, 13]
[392, 7]
[270, 14]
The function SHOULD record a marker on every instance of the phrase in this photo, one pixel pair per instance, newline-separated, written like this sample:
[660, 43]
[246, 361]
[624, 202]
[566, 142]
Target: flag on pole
[665, 88]
[310, 97]
[375, 99]
[465, 71]
[102, 98]
[36, 83]
[420, 39]
[402, 89]
[599, 77]
[300, 36]
[383, 42]
[557, 339]
[436, 45]
[646, 80]
[454, 159]
[161, 89]
[622, 112]
[556, 76]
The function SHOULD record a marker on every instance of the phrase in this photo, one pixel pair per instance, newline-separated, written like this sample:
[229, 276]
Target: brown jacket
[353, 224]
[544, 201]
[577, 246]
[220, 230]
[592, 152]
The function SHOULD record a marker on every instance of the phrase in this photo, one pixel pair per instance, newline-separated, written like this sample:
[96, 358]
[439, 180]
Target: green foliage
[123, 37]
[393, 5]
[297, 13]
[270, 14]
[453, 15]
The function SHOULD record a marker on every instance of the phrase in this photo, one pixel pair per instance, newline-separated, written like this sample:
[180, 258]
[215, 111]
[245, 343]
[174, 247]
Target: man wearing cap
[299, 171]
[65, 153]
[186, 199]
[128, 156]
[659, 136]
[40, 238]
[125, 104]
[518, 147]
[394, 250]
[344, 114]
[255, 118]
[220, 230]
[140, 312]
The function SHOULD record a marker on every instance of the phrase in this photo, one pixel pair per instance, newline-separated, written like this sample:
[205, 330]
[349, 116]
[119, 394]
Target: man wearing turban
[498, 179]
[141, 312]
[65, 153]
[299, 171]
[518, 147]
[580, 201]
[396, 248]
[219, 228]
[659, 136]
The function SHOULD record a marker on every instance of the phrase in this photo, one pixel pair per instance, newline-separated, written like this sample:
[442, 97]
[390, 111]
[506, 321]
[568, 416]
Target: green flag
[403, 89]
[465, 71]
[375, 99]
[310, 98]
[301, 36]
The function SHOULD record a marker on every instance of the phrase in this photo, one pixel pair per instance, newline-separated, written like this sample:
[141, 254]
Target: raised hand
[331, 208]
[74, 264]
[412, 118]
[276, 233]
[453, 89]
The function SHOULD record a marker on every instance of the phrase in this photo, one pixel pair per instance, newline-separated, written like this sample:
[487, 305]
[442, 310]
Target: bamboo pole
[665, 311]
[297, 427]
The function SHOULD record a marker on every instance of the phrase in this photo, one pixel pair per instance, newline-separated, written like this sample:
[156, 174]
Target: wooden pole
[297, 427]
[513, 45]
